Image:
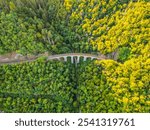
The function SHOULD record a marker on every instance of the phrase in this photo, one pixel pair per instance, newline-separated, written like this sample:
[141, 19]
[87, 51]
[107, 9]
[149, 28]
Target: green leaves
[54, 86]
[38, 84]
[23, 19]
[124, 54]
[18, 35]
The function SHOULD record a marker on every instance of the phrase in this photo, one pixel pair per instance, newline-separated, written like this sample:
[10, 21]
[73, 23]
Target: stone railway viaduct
[74, 57]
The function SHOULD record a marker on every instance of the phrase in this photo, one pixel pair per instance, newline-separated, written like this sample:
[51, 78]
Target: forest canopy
[118, 29]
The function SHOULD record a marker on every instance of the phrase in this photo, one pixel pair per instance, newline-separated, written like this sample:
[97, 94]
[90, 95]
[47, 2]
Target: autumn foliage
[118, 29]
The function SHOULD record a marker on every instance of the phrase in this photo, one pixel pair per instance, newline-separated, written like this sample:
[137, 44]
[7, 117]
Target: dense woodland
[119, 29]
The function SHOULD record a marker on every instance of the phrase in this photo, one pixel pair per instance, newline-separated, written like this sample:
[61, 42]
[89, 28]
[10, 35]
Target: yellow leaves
[81, 5]
[100, 45]
[137, 108]
[89, 10]
[123, 30]
[145, 51]
[96, 62]
[135, 99]
[103, 3]
[85, 26]
[122, 81]
[140, 84]
[96, 24]
[86, 20]
[148, 102]
[12, 6]
[119, 91]
[75, 16]
[117, 30]
[95, 32]
[95, 9]
[145, 78]
[104, 10]
[108, 64]
[125, 100]
[108, 45]
[142, 97]
[129, 81]
[68, 4]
